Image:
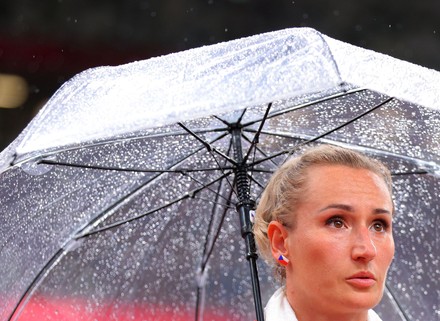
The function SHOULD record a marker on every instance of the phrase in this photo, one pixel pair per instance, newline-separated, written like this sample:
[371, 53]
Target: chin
[364, 301]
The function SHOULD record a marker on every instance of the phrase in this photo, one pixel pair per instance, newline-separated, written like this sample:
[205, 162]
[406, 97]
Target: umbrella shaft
[241, 178]
[244, 206]
[251, 255]
[256, 289]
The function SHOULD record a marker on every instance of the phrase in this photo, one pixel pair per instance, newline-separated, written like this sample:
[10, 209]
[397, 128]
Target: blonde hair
[287, 184]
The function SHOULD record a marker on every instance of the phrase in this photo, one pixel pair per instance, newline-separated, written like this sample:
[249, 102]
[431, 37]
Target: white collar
[278, 308]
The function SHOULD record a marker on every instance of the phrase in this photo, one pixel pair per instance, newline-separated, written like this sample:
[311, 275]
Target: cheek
[388, 252]
[320, 252]
[385, 255]
[318, 262]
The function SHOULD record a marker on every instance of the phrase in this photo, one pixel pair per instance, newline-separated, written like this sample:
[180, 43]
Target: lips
[362, 280]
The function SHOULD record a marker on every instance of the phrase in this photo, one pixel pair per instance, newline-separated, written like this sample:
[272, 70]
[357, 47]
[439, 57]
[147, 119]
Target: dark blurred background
[44, 43]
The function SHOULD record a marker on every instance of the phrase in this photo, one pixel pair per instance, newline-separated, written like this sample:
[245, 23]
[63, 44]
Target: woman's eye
[336, 222]
[379, 226]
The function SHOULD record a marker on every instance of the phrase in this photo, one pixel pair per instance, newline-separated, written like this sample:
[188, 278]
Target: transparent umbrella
[128, 195]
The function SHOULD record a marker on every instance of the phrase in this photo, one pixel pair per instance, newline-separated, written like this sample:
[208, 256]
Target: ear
[277, 234]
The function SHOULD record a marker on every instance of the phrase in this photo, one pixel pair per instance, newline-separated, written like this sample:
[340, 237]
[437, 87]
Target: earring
[283, 260]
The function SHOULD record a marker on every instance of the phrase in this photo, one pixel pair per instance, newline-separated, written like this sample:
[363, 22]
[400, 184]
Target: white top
[278, 308]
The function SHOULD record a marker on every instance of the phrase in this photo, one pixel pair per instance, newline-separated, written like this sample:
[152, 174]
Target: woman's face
[341, 244]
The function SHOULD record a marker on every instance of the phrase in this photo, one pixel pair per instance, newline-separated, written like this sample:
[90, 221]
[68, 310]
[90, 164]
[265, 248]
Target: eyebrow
[349, 208]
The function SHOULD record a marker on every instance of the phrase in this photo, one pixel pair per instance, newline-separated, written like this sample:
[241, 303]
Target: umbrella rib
[420, 172]
[140, 170]
[241, 116]
[255, 141]
[216, 236]
[314, 102]
[118, 140]
[222, 120]
[362, 148]
[190, 194]
[198, 299]
[257, 182]
[26, 296]
[270, 133]
[228, 206]
[263, 153]
[206, 252]
[261, 170]
[397, 302]
[292, 150]
[209, 189]
[205, 247]
[207, 145]
[134, 170]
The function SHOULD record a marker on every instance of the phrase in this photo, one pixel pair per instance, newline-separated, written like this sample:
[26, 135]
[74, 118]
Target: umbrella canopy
[118, 201]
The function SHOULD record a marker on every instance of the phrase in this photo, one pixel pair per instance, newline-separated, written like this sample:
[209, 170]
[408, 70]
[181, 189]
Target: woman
[325, 221]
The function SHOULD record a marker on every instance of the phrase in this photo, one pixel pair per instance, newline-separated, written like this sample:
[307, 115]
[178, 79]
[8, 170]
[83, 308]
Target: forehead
[327, 185]
[335, 179]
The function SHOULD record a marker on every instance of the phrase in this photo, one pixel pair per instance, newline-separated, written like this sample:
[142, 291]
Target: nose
[363, 246]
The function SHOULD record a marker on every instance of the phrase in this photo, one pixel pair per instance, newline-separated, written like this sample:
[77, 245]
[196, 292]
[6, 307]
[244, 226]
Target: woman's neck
[319, 312]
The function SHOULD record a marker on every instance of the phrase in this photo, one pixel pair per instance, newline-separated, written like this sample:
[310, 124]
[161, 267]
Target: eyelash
[333, 219]
[384, 223]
